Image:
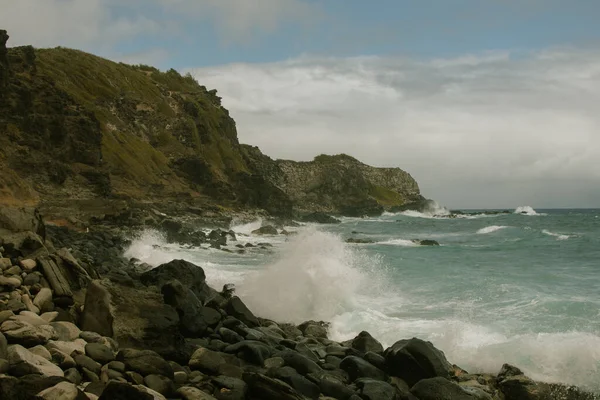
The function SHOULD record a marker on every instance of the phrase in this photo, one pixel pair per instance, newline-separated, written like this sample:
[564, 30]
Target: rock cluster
[68, 334]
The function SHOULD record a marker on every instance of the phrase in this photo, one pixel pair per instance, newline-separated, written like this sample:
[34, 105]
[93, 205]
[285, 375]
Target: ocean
[520, 288]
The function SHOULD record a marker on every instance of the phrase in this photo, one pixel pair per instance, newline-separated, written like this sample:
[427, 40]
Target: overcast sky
[487, 103]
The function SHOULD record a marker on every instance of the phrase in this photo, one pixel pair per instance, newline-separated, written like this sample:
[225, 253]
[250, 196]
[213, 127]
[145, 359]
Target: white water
[526, 210]
[317, 276]
[491, 229]
[558, 236]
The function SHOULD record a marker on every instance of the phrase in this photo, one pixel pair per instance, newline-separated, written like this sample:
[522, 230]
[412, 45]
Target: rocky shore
[74, 325]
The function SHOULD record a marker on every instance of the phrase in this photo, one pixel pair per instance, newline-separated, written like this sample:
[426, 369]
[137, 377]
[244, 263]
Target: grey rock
[357, 368]
[99, 352]
[145, 362]
[439, 388]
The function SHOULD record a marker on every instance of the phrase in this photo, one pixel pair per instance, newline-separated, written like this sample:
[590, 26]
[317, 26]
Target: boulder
[425, 242]
[124, 391]
[99, 352]
[66, 331]
[299, 383]
[299, 362]
[135, 318]
[364, 343]
[191, 275]
[265, 230]
[371, 389]
[188, 307]
[193, 393]
[145, 362]
[440, 388]
[62, 391]
[236, 308]
[3, 346]
[160, 384]
[319, 218]
[23, 219]
[265, 388]
[23, 362]
[252, 351]
[314, 329]
[357, 368]
[30, 335]
[23, 244]
[414, 359]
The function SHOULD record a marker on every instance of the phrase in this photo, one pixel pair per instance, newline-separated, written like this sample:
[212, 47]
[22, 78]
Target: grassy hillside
[77, 127]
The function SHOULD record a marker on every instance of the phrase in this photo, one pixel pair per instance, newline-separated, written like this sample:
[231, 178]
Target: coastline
[203, 339]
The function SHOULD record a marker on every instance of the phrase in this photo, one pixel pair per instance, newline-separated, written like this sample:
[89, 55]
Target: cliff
[337, 184]
[90, 139]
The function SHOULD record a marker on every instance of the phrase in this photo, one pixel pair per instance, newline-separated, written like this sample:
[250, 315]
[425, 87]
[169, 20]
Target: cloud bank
[488, 130]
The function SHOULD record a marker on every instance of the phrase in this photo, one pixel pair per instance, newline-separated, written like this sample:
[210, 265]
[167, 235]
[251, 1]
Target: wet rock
[371, 389]
[265, 230]
[414, 359]
[364, 343]
[314, 329]
[265, 388]
[425, 242]
[298, 382]
[319, 218]
[357, 368]
[251, 351]
[23, 362]
[187, 305]
[440, 388]
[145, 362]
[299, 362]
[236, 308]
[191, 275]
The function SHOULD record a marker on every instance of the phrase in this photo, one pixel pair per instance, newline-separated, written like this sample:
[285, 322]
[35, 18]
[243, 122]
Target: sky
[486, 103]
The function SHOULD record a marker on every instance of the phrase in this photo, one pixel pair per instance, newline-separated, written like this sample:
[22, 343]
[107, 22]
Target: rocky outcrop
[172, 336]
[3, 59]
[336, 184]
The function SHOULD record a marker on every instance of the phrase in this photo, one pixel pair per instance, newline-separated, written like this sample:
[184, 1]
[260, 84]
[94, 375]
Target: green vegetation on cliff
[79, 130]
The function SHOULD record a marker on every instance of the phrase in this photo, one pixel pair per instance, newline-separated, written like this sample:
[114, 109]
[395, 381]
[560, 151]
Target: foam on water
[526, 210]
[490, 229]
[570, 358]
[245, 228]
[558, 236]
[399, 242]
[315, 277]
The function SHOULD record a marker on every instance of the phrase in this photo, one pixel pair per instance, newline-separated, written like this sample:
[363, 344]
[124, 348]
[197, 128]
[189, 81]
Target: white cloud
[479, 130]
[241, 20]
[99, 25]
[71, 23]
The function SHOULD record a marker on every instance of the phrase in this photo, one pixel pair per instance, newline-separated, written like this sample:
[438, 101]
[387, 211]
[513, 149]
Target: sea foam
[491, 229]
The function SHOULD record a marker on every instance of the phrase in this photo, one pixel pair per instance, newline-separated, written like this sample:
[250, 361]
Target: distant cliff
[82, 138]
[337, 184]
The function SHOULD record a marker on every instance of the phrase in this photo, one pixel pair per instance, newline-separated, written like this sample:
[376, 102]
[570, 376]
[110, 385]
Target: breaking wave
[490, 229]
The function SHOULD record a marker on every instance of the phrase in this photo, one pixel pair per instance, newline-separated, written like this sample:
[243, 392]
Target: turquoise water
[518, 288]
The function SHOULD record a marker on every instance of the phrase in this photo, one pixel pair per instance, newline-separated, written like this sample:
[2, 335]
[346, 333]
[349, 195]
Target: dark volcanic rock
[357, 368]
[191, 275]
[364, 343]
[265, 230]
[188, 307]
[124, 391]
[145, 362]
[236, 308]
[99, 352]
[425, 242]
[414, 360]
[440, 388]
[265, 388]
[371, 389]
[319, 218]
[297, 381]
[136, 318]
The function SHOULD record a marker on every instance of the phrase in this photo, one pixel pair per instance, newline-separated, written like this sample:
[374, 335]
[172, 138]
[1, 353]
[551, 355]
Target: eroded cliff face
[84, 136]
[337, 184]
[87, 140]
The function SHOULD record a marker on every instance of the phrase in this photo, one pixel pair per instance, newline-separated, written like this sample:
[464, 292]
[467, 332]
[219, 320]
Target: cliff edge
[87, 139]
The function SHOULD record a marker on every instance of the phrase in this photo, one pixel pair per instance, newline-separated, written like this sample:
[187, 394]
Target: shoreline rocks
[69, 332]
